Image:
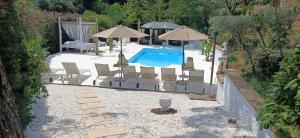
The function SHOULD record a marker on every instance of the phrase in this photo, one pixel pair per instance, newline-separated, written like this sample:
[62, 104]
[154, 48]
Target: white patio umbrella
[183, 33]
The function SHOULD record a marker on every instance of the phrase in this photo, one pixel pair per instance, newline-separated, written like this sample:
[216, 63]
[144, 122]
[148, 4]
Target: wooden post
[80, 34]
[150, 40]
[213, 62]
[97, 40]
[60, 34]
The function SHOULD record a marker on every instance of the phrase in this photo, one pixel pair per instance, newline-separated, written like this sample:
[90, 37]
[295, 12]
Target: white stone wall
[229, 95]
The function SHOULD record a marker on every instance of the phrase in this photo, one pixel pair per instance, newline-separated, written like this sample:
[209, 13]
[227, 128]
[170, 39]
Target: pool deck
[87, 60]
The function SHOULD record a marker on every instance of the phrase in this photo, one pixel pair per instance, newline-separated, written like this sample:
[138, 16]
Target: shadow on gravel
[114, 115]
[196, 134]
[206, 120]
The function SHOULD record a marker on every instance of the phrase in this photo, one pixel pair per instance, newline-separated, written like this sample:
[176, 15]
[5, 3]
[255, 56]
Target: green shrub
[267, 63]
[281, 111]
[207, 49]
[90, 16]
[231, 58]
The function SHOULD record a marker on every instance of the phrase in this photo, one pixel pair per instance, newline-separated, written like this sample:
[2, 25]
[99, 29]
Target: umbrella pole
[182, 77]
[121, 57]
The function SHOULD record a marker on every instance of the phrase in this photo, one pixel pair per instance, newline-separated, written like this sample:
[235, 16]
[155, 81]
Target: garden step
[96, 122]
[89, 113]
[105, 132]
[86, 95]
[88, 100]
[90, 106]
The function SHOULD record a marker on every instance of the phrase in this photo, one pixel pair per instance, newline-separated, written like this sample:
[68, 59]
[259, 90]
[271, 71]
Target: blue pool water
[157, 57]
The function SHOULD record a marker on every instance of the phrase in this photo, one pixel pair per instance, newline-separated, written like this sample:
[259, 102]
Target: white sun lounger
[102, 44]
[130, 73]
[168, 77]
[71, 69]
[103, 71]
[52, 73]
[148, 75]
[196, 81]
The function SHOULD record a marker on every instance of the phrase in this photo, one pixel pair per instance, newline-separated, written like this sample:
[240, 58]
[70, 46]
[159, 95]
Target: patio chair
[189, 65]
[51, 73]
[168, 77]
[115, 43]
[71, 69]
[102, 44]
[148, 75]
[103, 71]
[196, 79]
[130, 73]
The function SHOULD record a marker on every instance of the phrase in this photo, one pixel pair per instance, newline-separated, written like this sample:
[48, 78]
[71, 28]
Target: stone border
[251, 95]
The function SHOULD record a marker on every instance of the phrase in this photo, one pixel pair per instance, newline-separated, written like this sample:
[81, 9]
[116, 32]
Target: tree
[138, 9]
[159, 9]
[10, 126]
[23, 55]
[277, 22]
[114, 12]
[129, 16]
[281, 111]
[239, 27]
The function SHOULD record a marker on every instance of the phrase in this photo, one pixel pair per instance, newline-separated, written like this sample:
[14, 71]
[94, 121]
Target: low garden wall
[241, 100]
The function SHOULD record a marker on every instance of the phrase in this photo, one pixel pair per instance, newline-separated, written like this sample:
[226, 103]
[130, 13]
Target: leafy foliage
[207, 49]
[232, 24]
[231, 58]
[267, 63]
[277, 22]
[114, 12]
[23, 56]
[281, 111]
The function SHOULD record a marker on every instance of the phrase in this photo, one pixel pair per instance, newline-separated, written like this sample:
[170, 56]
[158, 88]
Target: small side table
[182, 83]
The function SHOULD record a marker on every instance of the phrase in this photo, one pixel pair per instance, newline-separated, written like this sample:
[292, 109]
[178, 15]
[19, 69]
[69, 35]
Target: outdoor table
[183, 82]
[183, 76]
[119, 71]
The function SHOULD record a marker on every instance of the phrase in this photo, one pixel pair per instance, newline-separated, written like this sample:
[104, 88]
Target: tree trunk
[10, 126]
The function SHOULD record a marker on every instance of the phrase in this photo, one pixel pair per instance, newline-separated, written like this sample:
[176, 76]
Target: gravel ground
[57, 116]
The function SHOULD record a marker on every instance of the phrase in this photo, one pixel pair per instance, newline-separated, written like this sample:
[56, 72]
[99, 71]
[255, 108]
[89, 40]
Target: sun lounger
[148, 75]
[103, 71]
[168, 77]
[196, 80]
[71, 69]
[102, 44]
[130, 73]
[52, 73]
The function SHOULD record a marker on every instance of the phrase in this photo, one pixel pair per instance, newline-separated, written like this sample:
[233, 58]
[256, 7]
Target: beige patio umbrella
[120, 32]
[183, 33]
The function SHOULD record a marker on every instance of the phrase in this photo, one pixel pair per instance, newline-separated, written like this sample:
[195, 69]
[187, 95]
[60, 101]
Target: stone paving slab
[88, 100]
[86, 95]
[97, 122]
[89, 113]
[105, 132]
[91, 106]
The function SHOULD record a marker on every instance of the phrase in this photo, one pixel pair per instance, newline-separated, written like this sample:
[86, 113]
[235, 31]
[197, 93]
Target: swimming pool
[157, 57]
